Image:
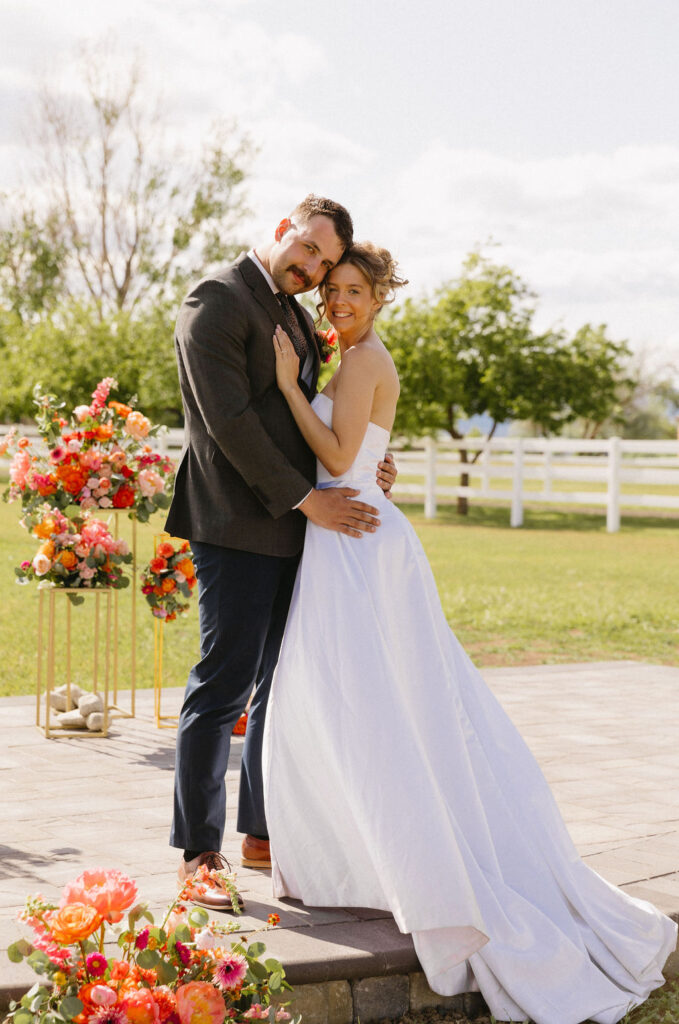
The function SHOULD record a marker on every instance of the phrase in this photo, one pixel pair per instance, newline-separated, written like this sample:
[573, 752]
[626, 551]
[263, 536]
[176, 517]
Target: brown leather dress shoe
[202, 881]
[255, 853]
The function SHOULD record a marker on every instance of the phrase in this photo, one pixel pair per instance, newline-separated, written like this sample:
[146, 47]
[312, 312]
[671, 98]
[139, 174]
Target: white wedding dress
[395, 780]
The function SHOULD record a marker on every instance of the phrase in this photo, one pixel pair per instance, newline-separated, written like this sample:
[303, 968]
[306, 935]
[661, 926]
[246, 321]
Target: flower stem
[84, 956]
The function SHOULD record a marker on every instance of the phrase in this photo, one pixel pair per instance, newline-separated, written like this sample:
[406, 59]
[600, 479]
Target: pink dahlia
[230, 971]
[96, 964]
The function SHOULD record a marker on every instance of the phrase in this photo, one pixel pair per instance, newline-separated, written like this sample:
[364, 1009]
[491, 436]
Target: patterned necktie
[293, 329]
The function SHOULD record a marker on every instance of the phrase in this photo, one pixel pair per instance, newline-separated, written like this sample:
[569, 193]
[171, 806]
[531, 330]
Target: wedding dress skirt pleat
[395, 780]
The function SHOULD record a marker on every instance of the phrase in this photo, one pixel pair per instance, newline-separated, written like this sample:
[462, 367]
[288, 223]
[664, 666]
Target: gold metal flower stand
[49, 599]
[114, 706]
[162, 721]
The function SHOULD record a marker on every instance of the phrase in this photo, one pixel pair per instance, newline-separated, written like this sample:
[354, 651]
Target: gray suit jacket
[244, 464]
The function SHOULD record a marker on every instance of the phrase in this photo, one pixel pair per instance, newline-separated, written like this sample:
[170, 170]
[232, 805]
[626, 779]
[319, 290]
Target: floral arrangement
[327, 343]
[98, 458]
[179, 973]
[169, 577]
[74, 553]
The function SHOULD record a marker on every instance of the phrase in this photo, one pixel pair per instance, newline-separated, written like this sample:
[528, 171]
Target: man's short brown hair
[315, 206]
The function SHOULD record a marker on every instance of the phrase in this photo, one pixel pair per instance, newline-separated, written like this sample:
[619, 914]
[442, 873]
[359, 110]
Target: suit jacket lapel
[259, 288]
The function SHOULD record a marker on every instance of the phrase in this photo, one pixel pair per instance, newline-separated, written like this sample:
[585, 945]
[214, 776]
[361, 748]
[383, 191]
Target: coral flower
[103, 432]
[137, 426]
[198, 1002]
[74, 922]
[165, 549]
[158, 564]
[167, 586]
[19, 467]
[230, 972]
[273, 920]
[166, 1003]
[140, 1007]
[109, 892]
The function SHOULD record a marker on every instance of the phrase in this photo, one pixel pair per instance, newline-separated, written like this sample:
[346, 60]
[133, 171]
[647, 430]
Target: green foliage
[72, 350]
[473, 350]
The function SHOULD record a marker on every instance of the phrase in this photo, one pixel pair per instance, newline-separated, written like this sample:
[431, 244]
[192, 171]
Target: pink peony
[74, 445]
[110, 892]
[150, 482]
[198, 1002]
[85, 572]
[88, 503]
[230, 971]
[137, 426]
[105, 502]
[122, 547]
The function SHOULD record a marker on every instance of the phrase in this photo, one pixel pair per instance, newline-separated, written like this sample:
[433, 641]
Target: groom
[243, 492]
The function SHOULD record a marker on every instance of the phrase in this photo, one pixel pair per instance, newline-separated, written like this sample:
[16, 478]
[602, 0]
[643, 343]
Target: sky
[549, 130]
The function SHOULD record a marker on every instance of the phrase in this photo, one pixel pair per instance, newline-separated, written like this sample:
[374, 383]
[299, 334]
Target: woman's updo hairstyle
[377, 266]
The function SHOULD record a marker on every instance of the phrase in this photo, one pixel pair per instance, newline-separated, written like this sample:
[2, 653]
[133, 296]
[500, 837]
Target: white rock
[71, 720]
[95, 721]
[90, 703]
[58, 697]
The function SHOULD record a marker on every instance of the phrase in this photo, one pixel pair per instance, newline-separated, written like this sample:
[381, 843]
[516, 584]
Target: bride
[393, 777]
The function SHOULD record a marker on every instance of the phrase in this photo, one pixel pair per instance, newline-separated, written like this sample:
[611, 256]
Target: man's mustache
[300, 273]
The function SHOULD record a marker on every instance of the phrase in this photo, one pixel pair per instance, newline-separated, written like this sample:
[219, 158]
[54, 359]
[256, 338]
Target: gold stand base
[47, 655]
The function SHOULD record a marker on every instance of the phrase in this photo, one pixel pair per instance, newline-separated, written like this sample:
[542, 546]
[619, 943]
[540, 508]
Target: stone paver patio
[605, 735]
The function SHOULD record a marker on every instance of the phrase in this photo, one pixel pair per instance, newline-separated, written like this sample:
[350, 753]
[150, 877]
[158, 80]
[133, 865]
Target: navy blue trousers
[243, 601]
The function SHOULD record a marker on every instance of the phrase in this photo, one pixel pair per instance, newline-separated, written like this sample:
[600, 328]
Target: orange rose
[47, 549]
[186, 566]
[103, 431]
[165, 550]
[47, 487]
[167, 586]
[73, 478]
[158, 564]
[73, 923]
[120, 409]
[67, 559]
[46, 528]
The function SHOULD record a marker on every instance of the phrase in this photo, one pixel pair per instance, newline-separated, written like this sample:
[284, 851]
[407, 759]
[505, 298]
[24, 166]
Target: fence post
[485, 470]
[516, 514]
[430, 478]
[613, 495]
[547, 486]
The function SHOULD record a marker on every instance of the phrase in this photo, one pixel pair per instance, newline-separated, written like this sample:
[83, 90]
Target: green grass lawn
[559, 589]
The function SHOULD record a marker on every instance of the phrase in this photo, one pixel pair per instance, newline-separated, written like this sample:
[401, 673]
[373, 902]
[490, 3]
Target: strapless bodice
[361, 473]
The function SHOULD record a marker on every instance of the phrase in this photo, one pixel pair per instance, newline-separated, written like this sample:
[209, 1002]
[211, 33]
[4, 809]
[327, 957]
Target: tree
[131, 220]
[32, 258]
[473, 350]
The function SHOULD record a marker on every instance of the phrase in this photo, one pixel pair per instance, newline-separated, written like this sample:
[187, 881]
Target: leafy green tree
[473, 350]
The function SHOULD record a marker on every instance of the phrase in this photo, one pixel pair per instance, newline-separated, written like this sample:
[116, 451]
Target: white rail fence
[642, 474]
[514, 470]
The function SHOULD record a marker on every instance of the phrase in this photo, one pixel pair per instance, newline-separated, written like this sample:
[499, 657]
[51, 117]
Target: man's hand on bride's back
[386, 475]
[336, 508]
